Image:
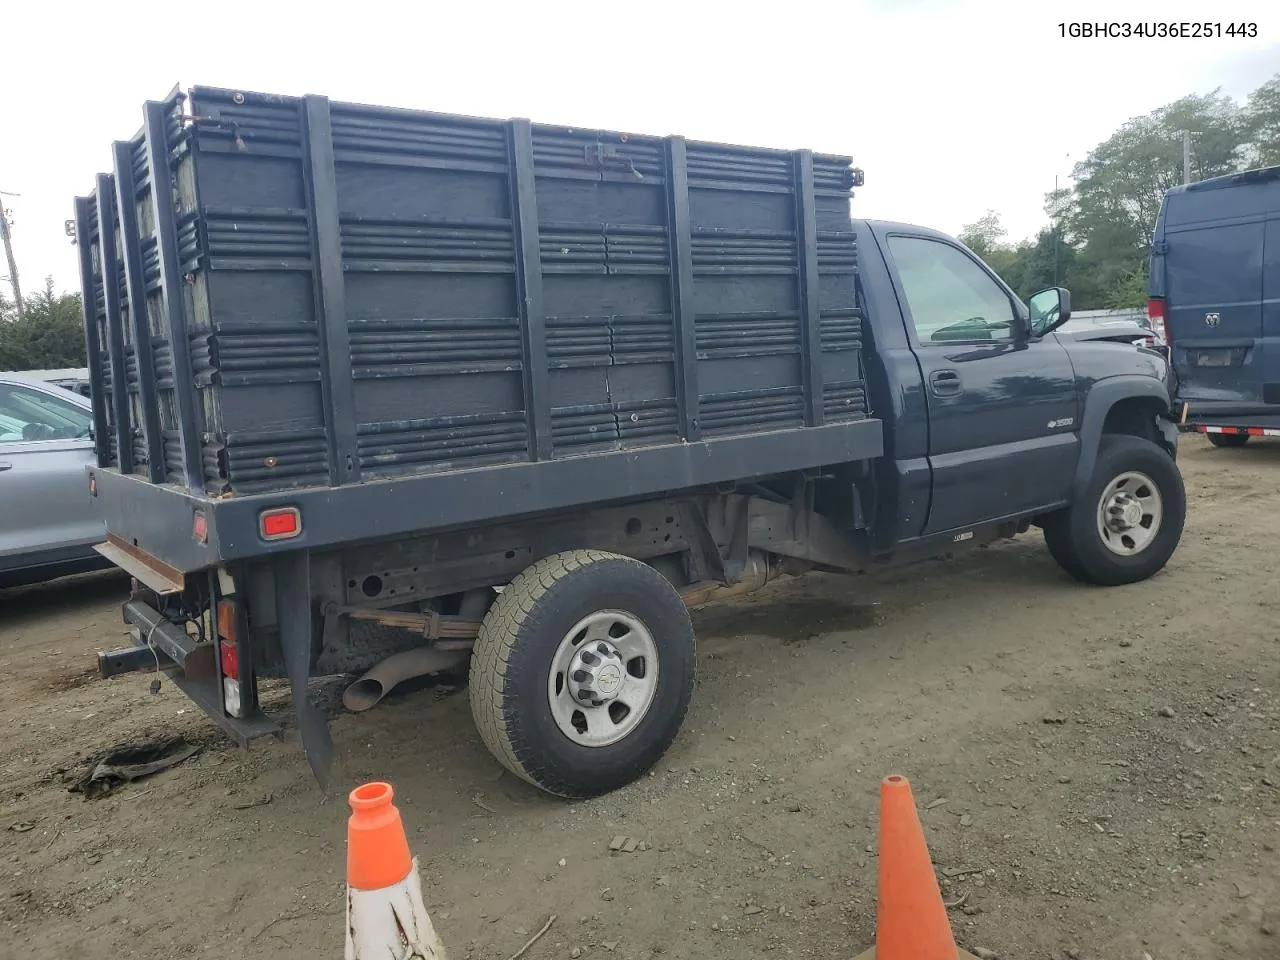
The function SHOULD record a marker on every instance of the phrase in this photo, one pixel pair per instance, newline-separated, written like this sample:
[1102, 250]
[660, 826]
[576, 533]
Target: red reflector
[93, 486]
[200, 528]
[228, 620]
[229, 654]
[280, 524]
[1156, 317]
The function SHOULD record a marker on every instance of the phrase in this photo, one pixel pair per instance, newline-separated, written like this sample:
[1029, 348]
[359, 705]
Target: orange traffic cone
[385, 913]
[911, 920]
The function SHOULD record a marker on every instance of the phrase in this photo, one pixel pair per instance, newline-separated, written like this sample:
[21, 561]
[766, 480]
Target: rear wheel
[582, 673]
[1231, 441]
[1127, 522]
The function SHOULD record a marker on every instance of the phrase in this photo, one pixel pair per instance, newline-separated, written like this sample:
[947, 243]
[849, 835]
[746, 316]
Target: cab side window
[949, 296]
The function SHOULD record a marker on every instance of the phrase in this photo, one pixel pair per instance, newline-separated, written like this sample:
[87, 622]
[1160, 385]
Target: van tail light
[1156, 317]
[229, 656]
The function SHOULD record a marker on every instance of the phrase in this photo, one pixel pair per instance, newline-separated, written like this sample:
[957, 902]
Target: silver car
[47, 522]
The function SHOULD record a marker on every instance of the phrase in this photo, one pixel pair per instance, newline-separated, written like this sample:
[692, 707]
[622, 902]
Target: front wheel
[1126, 524]
[582, 673]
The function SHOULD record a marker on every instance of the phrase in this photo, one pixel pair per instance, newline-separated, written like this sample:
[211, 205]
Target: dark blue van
[1215, 292]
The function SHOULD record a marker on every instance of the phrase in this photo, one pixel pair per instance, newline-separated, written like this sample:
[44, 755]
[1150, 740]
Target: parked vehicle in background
[48, 527]
[436, 385]
[1215, 291]
[75, 379]
[1116, 326]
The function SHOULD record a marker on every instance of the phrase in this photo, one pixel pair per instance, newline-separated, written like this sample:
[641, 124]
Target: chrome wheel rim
[1130, 512]
[603, 678]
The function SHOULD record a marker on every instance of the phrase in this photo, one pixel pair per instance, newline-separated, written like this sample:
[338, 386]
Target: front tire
[582, 673]
[1228, 441]
[1127, 522]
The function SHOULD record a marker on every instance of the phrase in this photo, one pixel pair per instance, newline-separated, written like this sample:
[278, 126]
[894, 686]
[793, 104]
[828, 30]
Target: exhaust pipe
[397, 668]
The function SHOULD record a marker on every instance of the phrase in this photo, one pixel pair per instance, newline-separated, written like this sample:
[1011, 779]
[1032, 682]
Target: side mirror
[1049, 309]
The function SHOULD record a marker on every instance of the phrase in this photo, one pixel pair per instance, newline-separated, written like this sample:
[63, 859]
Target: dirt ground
[1098, 773]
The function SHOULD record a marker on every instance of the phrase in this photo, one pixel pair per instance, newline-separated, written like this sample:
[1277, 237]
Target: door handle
[5, 466]
[945, 383]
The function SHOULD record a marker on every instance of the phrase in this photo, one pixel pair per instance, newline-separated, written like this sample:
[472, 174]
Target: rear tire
[552, 711]
[1229, 441]
[1128, 520]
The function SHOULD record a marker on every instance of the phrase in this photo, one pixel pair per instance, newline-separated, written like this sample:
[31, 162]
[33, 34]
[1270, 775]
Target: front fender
[1104, 395]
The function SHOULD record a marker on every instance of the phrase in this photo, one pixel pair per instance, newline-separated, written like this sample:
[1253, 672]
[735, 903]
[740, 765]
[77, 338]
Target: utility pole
[1186, 156]
[1056, 214]
[8, 252]
[1056, 231]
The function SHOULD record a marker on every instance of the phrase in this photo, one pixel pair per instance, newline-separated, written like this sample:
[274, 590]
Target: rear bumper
[190, 664]
[1209, 410]
[1214, 417]
[1233, 430]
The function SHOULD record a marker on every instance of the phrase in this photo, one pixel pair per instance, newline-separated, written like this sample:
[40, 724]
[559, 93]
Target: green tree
[1262, 124]
[50, 336]
[1129, 291]
[1124, 179]
[1046, 261]
[1122, 182]
[1100, 229]
[984, 235]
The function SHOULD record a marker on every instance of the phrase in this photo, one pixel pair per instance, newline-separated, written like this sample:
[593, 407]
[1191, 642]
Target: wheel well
[1135, 416]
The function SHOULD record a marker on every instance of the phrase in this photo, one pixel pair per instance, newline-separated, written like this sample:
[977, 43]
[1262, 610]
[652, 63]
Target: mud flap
[293, 611]
[1169, 435]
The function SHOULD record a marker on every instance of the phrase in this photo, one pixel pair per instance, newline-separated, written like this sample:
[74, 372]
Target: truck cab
[990, 416]
[1215, 288]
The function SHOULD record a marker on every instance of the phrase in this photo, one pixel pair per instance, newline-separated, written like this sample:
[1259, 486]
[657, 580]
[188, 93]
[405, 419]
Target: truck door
[1002, 408]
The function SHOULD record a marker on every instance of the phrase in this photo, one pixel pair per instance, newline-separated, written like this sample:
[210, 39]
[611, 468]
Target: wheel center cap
[596, 675]
[609, 679]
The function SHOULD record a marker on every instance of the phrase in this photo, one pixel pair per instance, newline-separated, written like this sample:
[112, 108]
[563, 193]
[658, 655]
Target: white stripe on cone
[391, 923]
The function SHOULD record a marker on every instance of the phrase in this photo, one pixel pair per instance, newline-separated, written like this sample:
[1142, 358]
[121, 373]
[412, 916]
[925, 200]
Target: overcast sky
[951, 106]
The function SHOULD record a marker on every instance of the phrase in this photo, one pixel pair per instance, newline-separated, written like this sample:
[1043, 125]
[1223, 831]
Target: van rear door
[1271, 293]
[1213, 246]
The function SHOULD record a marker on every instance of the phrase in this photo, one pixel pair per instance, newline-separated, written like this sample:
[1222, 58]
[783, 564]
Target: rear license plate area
[1215, 358]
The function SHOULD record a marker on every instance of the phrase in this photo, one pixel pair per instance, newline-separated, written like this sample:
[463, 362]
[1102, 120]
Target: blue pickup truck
[1215, 293]
[412, 387]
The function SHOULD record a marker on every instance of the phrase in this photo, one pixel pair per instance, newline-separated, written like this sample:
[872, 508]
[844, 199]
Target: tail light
[229, 656]
[1156, 317]
[281, 523]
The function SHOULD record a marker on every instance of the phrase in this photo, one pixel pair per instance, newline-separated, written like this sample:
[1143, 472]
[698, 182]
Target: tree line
[50, 335]
[1100, 228]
